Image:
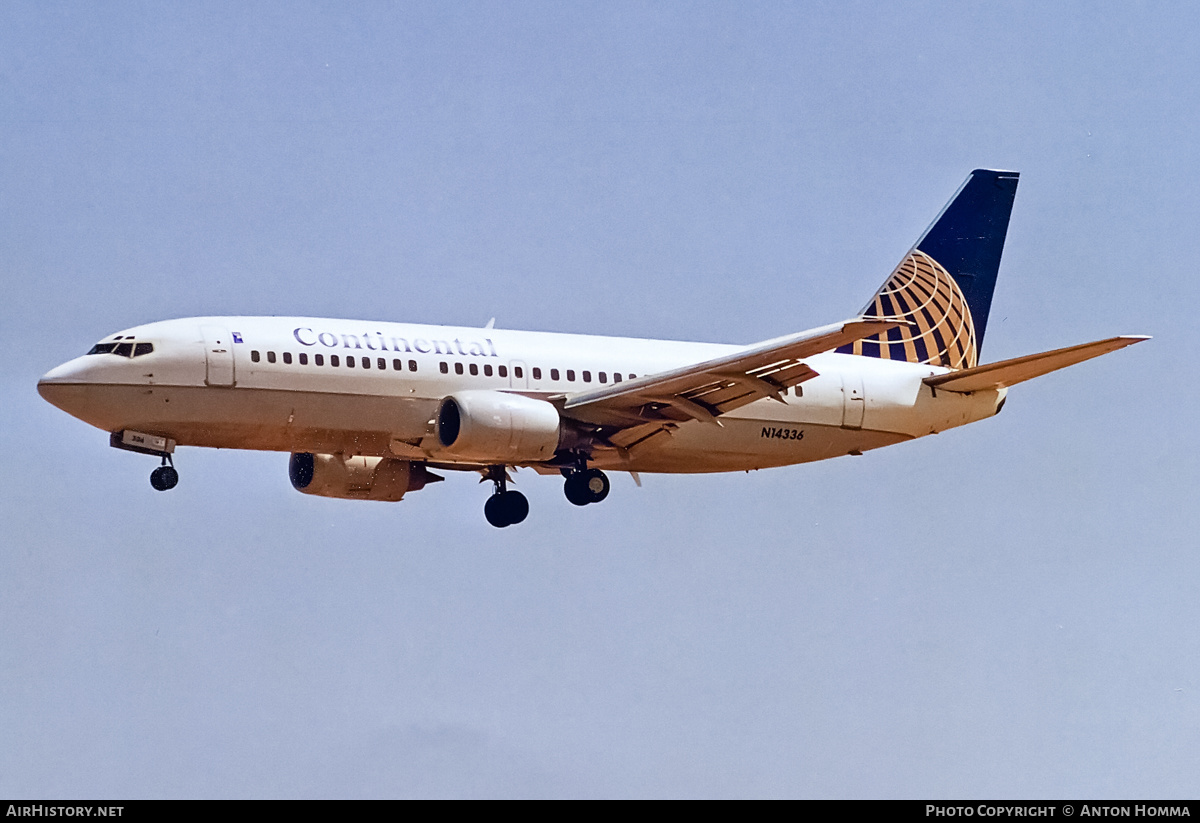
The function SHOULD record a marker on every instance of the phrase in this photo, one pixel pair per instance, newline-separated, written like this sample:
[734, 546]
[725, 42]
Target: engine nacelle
[495, 427]
[356, 478]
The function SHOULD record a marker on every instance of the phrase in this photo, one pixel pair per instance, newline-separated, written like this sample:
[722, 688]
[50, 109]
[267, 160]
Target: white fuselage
[287, 384]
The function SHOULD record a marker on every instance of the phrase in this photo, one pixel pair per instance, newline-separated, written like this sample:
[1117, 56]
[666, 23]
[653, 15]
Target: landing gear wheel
[576, 490]
[506, 509]
[587, 486]
[516, 506]
[164, 478]
[597, 485]
[493, 510]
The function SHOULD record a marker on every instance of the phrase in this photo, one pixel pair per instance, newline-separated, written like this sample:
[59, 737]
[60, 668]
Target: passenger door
[218, 356]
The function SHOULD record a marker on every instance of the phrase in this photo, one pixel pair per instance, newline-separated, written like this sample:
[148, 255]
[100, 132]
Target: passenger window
[458, 368]
[474, 369]
[412, 365]
[518, 371]
[270, 357]
[382, 364]
[587, 377]
[366, 362]
[502, 370]
[254, 356]
[334, 360]
[616, 377]
[303, 358]
[570, 375]
[537, 373]
[319, 359]
[287, 357]
[445, 369]
[487, 370]
[554, 374]
[633, 377]
[397, 365]
[142, 348]
[349, 361]
[603, 377]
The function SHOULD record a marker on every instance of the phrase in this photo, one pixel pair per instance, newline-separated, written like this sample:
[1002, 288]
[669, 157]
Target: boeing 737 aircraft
[370, 410]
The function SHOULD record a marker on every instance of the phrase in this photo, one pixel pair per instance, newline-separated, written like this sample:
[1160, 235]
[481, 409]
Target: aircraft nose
[60, 386]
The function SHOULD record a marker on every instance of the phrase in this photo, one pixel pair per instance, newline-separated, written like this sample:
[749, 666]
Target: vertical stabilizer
[943, 287]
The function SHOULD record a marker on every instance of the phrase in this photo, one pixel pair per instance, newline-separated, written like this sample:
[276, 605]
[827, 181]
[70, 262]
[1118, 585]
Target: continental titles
[377, 341]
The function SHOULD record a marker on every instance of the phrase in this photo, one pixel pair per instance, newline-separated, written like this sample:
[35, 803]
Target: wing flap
[706, 390]
[1019, 369]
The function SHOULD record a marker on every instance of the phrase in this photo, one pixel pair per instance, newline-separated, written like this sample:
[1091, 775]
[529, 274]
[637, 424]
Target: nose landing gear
[164, 478]
[504, 508]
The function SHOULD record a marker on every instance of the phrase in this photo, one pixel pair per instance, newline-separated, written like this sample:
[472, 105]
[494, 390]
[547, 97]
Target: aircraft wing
[1019, 369]
[704, 391]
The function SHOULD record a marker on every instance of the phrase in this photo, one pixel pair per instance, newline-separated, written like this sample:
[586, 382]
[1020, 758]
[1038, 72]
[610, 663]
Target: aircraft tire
[496, 511]
[595, 482]
[164, 478]
[576, 490]
[516, 507]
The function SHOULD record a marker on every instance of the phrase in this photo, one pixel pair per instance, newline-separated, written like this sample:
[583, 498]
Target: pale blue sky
[1004, 610]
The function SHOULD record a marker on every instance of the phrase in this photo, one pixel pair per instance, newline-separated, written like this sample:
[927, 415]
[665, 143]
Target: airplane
[370, 410]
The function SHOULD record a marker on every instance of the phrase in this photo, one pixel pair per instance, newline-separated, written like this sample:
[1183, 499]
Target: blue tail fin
[944, 285]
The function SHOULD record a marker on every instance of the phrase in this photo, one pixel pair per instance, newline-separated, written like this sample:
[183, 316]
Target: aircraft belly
[761, 435]
[262, 419]
[741, 445]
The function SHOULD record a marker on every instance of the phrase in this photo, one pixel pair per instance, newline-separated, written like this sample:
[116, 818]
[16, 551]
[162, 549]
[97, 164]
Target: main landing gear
[585, 486]
[164, 478]
[507, 508]
[504, 507]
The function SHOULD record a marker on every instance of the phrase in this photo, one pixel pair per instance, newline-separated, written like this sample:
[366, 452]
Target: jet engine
[495, 427]
[357, 478]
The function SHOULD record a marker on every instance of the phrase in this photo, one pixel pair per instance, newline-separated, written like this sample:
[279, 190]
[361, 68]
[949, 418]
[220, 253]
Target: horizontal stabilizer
[1019, 369]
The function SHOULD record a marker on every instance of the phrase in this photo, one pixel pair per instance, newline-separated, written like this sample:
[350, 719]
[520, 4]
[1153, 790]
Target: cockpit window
[126, 349]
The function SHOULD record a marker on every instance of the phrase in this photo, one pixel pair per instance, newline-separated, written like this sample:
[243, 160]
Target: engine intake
[357, 478]
[495, 427]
